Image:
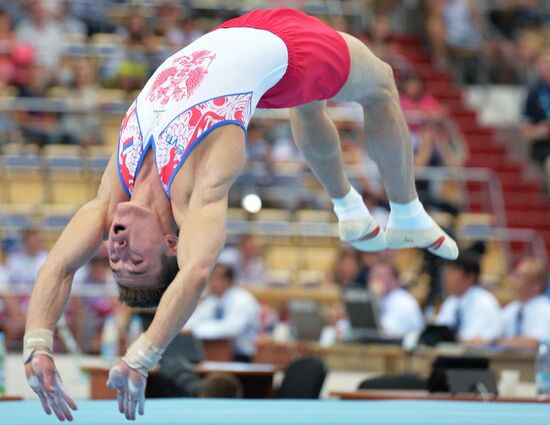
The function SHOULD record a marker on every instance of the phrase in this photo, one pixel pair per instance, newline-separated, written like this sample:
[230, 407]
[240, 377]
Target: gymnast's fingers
[44, 402]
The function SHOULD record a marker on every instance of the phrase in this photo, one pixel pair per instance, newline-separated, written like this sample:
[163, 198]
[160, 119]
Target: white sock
[411, 215]
[350, 206]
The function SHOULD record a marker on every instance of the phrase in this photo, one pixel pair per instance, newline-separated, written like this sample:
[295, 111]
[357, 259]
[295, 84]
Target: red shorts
[318, 56]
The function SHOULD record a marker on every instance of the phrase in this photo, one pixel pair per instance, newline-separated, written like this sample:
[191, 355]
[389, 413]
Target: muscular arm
[202, 238]
[76, 245]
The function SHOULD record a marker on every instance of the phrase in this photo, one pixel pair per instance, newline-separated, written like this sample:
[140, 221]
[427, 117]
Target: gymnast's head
[142, 256]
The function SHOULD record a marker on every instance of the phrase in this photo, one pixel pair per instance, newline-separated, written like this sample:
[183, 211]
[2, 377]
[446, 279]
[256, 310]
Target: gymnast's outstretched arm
[77, 244]
[201, 238]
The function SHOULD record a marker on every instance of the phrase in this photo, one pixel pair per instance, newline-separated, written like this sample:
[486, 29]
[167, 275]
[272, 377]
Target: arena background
[69, 70]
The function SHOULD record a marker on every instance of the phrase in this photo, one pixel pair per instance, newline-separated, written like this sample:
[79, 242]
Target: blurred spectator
[136, 60]
[438, 146]
[473, 312]
[417, 103]
[15, 56]
[69, 24]
[44, 34]
[37, 126]
[82, 126]
[536, 128]
[23, 263]
[227, 312]
[250, 267]
[527, 321]
[257, 146]
[220, 385]
[455, 31]
[96, 293]
[95, 14]
[399, 310]
[346, 269]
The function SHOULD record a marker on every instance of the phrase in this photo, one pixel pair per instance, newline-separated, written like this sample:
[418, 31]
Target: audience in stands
[228, 312]
[526, 321]
[418, 104]
[472, 311]
[346, 270]
[70, 25]
[250, 268]
[400, 313]
[95, 299]
[23, 263]
[536, 128]
[42, 32]
[82, 126]
[455, 31]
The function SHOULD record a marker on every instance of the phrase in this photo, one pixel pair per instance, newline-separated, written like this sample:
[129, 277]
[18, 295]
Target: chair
[304, 378]
[394, 382]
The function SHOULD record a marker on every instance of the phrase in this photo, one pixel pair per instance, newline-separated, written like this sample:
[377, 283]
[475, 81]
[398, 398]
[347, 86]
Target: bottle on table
[110, 339]
[135, 329]
[542, 369]
[2, 365]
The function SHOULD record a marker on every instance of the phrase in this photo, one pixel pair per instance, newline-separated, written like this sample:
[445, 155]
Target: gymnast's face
[136, 244]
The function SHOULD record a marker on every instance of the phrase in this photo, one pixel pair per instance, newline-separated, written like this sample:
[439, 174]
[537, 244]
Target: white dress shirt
[22, 268]
[400, 314]
[533, 321]
[479, 313]
[239, 321]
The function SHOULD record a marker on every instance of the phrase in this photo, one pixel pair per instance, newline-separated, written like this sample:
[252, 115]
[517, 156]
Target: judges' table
[386, 358]
[258, 412]
[256, 379]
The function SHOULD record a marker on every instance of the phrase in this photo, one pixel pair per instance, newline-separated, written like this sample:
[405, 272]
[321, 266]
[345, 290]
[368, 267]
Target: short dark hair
[221, 385]
[468, 262]
[150, 297]
[228, 271]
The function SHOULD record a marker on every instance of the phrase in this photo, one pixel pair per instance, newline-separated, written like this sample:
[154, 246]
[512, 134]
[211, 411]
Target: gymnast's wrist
[142, 355]
[37, 341]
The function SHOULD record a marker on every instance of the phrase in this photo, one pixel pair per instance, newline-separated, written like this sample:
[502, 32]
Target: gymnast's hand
[45, 381]
[130, 388]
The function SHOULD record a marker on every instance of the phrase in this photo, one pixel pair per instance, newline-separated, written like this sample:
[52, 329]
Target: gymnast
[162, 201]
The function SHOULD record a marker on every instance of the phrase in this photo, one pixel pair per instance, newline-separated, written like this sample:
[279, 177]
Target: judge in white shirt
[400, 313]
[526, 321]
[472, 311]
[228, 311]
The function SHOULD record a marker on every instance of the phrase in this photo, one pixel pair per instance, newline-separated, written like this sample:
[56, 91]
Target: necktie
[519, 322]
[458, 319]
[218, 312]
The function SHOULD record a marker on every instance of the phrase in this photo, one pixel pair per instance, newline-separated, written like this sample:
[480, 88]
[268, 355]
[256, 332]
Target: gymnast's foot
[362, 233]
[356, 225]
[409, 226]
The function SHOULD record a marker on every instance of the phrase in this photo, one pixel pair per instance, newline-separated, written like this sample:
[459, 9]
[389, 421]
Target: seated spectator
[37, 126]
[417, 103]
[346, 269]
[82, 126]
[536, 128]
[23, 263]
[228, 312]
[44, 34]
[473, 312]
[21, 268]
[250, 267]
[220, 385]
[70, 25]
[455, 31]
[438, 145]
[526, 321]
[400, 313]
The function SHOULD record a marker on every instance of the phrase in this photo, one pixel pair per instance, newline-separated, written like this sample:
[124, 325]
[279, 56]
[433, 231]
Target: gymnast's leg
[371, 84]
